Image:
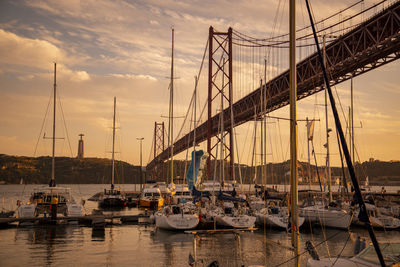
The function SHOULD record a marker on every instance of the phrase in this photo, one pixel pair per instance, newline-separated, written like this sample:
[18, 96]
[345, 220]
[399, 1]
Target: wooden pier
[85, 220]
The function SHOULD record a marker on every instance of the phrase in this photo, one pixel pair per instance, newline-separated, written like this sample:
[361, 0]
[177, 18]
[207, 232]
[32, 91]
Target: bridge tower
[220, 87]
[159, 146]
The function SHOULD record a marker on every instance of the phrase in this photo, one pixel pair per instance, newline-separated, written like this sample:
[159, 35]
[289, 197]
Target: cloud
[23, 51]
[133, 76]
[37, 54]
[107, 48]
[79, 76]
[26, 77]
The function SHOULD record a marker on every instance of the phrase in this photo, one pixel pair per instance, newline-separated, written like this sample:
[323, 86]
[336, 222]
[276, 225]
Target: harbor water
[140, 245]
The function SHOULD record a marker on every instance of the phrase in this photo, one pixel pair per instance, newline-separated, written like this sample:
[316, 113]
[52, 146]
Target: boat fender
[191, 260]
[311, 250]
[357, 246]
[362, 244]
[213, 264]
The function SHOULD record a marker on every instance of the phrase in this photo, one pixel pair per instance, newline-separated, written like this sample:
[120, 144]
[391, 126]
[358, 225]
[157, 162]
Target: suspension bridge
[372, 43]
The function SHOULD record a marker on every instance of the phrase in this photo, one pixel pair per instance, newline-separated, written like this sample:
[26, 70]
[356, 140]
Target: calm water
[134, 245]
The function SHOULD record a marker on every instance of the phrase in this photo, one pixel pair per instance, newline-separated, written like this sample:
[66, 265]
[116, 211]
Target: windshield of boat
[390, 252]
[151, 194]
[46, 197]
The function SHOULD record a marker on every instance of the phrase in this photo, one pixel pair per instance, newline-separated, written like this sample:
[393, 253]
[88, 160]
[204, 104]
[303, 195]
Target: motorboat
[151, 198]
[182, 194]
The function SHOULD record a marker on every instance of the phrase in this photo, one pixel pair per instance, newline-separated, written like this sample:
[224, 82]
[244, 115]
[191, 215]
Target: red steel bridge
[373, 43]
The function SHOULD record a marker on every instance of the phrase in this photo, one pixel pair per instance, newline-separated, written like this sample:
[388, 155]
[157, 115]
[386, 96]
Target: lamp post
[141, 175]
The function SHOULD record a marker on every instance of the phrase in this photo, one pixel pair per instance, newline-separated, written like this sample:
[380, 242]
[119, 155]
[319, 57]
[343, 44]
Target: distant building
[80, 147]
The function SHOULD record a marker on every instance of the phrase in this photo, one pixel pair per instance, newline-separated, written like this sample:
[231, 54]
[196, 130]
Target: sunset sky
[108, 48]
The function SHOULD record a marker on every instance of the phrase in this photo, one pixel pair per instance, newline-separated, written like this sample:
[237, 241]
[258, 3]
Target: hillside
[98, 170]
[67, 170]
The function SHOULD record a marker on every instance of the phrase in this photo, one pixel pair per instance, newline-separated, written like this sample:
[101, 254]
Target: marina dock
[85, 220]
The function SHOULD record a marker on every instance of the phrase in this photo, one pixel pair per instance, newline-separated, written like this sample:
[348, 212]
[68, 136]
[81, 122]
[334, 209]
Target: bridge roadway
[370, 45]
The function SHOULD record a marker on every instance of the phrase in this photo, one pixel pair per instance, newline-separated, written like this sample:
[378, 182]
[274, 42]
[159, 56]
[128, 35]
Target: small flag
[310, 130]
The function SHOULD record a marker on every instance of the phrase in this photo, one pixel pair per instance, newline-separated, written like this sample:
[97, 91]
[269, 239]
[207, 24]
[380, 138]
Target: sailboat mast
[54, 127]
[265, 120]
[357, 192]
[308, 154]
[262, 135]
[171, 110]
[222, 127]
[194, 128]
[293, 131]
[113, 145]
[352, 121]
[328, 165]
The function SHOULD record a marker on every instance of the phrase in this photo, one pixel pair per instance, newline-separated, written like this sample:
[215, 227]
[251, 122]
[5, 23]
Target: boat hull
[276, 221]
[241, 221]
[112, 203]
[151, 204]
[176, 221]
[382, 222]
[327, 218]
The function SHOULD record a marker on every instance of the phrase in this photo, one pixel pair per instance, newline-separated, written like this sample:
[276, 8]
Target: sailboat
[367, 257]
[275, 215]
[53, 200]
[112, 198]
[319, 212]
[232, 214]
[378, 220]
[230, 210]
[180, 216]
[177, 217]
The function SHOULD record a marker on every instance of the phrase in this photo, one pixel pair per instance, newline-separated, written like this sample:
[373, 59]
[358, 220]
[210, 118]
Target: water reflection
[49, 239]
[98, 234]
[173, 243]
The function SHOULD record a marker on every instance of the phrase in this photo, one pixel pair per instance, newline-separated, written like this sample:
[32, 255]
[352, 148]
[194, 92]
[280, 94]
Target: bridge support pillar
[220, 87]
[159, 146]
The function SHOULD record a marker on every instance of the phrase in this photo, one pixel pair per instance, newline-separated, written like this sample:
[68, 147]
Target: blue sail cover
[189, 175]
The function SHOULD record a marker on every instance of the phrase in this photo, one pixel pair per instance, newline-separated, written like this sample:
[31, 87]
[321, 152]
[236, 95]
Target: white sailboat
[377, 219]
[367, 257]
[275, 215]
[53, 200]
[177, 217]
[227, 215]
[320, 212]
[326, 216]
